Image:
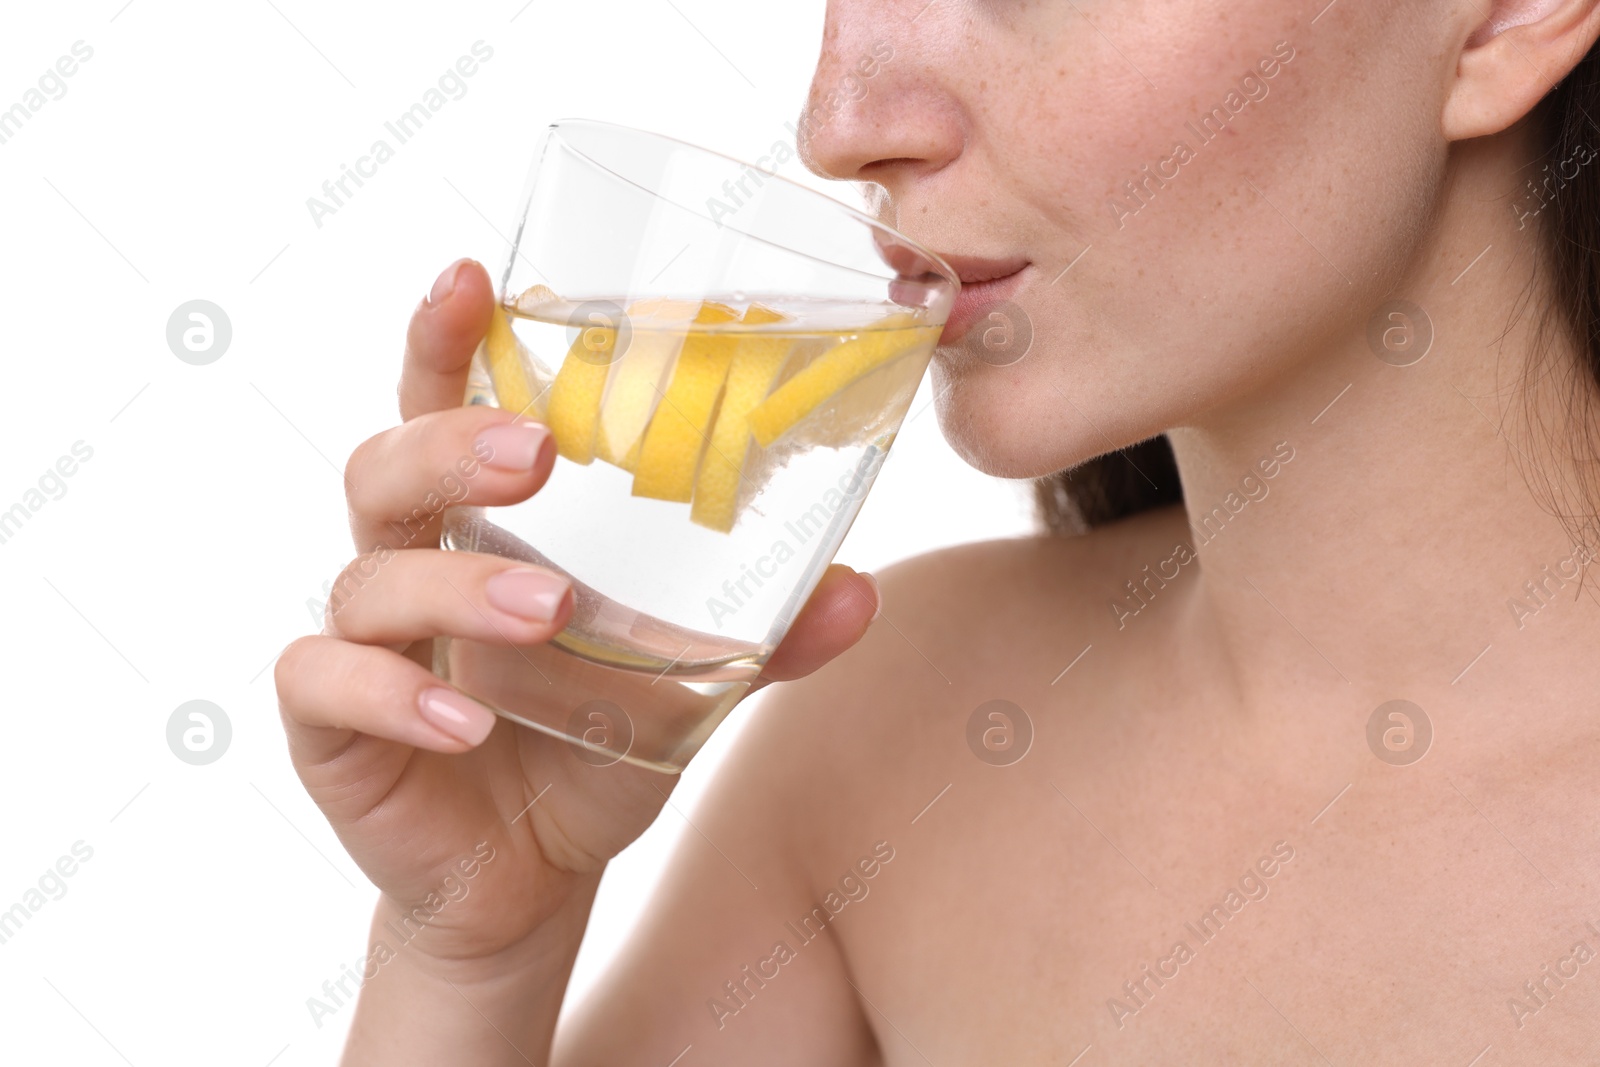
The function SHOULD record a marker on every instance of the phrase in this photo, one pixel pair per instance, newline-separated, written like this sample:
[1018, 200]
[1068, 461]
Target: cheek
[1208, 268]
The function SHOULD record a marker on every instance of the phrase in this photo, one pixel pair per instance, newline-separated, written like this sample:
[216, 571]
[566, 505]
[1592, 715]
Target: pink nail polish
[514, 446]
[462, 718]
[527, 593]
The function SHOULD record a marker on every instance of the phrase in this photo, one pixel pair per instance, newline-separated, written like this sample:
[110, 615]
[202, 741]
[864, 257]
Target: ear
[1514, 56]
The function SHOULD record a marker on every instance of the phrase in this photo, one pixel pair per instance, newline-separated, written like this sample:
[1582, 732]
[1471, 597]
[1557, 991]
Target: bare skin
[1216, 740]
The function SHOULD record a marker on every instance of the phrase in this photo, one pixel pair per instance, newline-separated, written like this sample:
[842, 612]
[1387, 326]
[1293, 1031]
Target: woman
[1343, 257]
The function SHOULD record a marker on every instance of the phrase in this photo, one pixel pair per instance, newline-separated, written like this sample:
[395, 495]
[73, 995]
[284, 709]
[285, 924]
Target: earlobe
[1512, 59]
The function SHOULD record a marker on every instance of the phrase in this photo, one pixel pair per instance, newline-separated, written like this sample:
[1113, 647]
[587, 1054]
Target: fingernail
[514, 446]
[527, 593]
[463, 719]
[877, 593]
[446, 284]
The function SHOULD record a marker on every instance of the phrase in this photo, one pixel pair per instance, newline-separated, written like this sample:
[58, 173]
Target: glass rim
[939, 263]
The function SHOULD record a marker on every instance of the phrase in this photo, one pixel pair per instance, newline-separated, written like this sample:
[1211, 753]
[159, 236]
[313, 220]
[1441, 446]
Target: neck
[1410, 541]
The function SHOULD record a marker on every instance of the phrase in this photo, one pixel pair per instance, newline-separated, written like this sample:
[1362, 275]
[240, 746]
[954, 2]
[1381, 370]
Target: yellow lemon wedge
[755, 362]
[634, 390]
[507, 370]
[762, 314]
[670, 451]
[887, 339]
[574, 404]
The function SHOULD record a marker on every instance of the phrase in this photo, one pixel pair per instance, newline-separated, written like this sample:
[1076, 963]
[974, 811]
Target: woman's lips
[984, 283]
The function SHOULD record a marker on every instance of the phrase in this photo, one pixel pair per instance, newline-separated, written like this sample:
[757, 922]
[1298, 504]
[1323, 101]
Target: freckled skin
[1181, 736]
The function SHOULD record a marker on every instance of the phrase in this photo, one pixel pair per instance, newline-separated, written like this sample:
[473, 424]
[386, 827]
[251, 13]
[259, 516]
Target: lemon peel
[887, 339]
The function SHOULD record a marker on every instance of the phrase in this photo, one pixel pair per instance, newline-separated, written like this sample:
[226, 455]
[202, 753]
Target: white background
[179, 561]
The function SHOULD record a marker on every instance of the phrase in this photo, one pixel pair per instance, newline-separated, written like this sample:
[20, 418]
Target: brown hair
[1108, 488]
[1145, 476]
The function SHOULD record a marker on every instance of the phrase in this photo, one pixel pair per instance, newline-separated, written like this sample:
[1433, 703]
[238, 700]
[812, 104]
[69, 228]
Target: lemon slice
[507, 367]
[755, 363]
[887, 339]
[574, 404]
[670, 451]
[634, 388]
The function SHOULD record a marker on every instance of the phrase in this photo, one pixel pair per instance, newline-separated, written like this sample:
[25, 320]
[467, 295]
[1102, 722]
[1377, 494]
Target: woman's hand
[413, 775]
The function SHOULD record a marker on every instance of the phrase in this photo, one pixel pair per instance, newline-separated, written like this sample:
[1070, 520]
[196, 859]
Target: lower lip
[974, 300]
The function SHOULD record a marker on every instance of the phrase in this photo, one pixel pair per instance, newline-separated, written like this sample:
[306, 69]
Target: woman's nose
[879, 109]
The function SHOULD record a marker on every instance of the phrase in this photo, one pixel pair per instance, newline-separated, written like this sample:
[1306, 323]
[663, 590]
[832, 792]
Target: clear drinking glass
[724, 358]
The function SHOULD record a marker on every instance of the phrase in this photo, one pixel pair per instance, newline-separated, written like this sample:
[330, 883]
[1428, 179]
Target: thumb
[840, 609]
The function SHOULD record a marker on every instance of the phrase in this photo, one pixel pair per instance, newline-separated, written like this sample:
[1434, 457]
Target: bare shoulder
[1000, 620]
[1011, 585]
[964, 611]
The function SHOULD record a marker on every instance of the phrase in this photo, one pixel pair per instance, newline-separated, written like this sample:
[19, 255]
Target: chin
[1002, 428]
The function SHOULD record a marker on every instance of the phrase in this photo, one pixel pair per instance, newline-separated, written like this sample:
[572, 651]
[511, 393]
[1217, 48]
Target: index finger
[444, 333]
